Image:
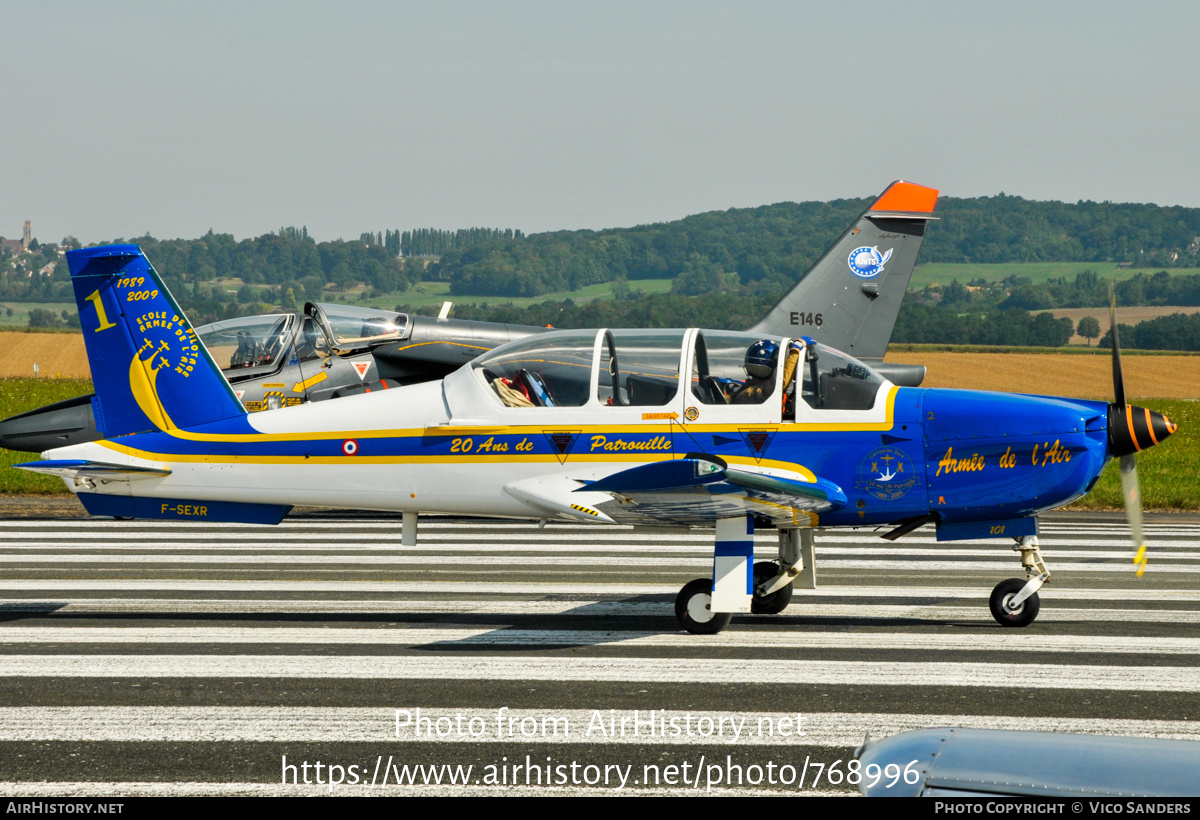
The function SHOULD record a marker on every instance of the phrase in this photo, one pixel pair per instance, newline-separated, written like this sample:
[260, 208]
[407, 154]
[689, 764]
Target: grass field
[18, 395]
[432, 294]
[941, 273]
[1167, 474]
[20, 316]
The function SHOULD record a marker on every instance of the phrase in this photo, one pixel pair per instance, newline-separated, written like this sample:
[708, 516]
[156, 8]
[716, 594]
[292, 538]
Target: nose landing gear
[1015, 602]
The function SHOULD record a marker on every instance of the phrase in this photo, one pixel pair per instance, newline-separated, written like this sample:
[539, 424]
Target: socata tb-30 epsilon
[658, 428]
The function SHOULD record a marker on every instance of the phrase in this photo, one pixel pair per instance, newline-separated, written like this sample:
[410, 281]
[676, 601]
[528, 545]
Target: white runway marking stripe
[650, 670]
[543, 540]
[473, 588]
[616, 565]
[1050, 523]
[883, 550]
[131, 724]
[967, 612]
[586, 609]
[500, 635]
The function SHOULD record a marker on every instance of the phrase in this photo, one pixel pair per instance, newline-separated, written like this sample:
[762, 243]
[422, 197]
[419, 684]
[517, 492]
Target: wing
[699, 489]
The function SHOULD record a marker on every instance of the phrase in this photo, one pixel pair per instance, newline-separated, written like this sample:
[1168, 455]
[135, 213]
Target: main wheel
[775, 602]
[693, 608]
[1023, 614]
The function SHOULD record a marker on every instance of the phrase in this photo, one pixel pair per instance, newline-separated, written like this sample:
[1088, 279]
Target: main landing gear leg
[704, 606]
[774, 581]
[1015, 602]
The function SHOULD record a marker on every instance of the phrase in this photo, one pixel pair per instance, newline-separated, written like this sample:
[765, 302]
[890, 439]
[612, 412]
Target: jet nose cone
[1132, 429]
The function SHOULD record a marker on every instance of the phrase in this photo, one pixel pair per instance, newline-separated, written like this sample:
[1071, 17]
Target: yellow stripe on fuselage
[472, 458]
[549, 423]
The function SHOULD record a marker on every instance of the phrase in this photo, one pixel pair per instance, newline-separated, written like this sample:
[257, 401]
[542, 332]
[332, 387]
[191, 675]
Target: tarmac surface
[167, 658]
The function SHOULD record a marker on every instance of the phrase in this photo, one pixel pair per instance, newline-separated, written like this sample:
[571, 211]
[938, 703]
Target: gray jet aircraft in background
[848, 299]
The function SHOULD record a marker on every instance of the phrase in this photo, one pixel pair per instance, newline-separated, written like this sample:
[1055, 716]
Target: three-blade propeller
[1130, 430]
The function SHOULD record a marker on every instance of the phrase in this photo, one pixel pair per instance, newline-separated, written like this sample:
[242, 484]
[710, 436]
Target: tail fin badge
[868, 262]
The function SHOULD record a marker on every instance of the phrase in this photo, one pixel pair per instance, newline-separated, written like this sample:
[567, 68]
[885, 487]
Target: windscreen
[546, 370]
[835, 381]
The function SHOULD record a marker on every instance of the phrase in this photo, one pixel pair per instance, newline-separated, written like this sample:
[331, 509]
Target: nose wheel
[1006, 611]
[693, 609]
[1015, 602]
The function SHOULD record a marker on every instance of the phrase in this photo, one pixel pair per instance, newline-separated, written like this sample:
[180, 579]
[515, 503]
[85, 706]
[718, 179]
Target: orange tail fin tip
[907, 197]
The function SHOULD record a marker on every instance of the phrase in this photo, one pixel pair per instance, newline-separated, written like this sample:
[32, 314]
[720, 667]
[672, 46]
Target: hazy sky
[121, 118]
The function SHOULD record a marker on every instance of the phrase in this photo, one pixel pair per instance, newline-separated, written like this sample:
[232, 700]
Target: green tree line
[766, 248]
[1175, 332]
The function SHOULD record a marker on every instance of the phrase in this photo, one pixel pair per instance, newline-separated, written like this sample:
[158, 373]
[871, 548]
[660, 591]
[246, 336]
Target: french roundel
[349, 446]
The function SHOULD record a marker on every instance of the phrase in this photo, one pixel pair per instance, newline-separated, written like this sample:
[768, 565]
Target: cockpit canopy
[249, 341]
[354, 328]
[253, 345]
[641, 368]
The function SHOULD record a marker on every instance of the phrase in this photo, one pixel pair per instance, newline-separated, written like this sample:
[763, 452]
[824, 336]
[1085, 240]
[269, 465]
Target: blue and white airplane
[655, 428]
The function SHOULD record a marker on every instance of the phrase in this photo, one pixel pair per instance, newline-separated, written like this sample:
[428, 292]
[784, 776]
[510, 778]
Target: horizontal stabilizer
[76, 468]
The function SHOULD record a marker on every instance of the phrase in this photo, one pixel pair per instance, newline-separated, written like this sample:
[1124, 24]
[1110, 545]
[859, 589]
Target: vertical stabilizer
[850, 297]
[149, 369]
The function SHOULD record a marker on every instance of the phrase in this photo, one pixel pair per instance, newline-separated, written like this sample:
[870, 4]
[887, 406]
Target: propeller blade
[1133, 510]
[1118, 378]
[1129, 479]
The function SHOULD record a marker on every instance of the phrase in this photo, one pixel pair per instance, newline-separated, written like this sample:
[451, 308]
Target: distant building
[8, 246]
[28, 236]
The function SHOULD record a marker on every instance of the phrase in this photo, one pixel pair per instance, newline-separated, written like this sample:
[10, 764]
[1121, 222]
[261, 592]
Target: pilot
[761, 360]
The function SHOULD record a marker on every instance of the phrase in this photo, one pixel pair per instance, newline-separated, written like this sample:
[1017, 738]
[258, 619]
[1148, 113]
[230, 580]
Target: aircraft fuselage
[967, 456]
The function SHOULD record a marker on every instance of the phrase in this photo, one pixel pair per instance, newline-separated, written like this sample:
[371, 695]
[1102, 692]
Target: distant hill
[764, 249]
[747, 257]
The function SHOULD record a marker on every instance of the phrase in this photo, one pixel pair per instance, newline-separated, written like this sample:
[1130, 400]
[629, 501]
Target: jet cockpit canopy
[248, 342]
[356, 328]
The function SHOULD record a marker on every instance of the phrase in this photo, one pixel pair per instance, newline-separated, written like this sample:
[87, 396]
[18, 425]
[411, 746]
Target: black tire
[778, 600]
[694, 603]
[1024, 614]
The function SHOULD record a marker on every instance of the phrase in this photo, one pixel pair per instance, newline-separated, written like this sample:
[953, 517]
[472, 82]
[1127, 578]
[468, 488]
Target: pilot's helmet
[761, 358]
